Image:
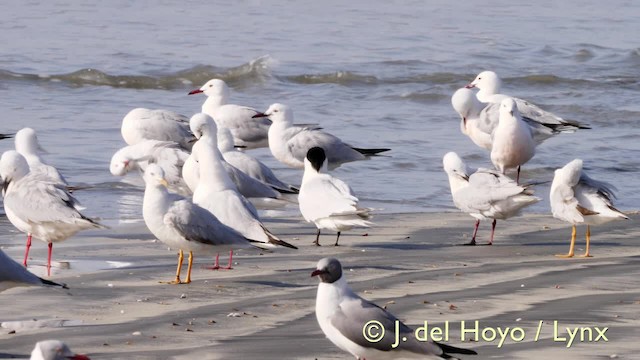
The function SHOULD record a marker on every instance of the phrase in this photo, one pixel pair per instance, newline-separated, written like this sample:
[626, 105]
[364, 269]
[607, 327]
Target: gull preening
[37, 206]
[54, 350]
[289, 143]
[218, 194]
[13, 274]
[489, 84]
[512, 143]
[578, 199]
[169, 155]
[485, 194]
[164, 125]
[183, 225]
[326, 201]
[343, 317]
[27, 145]
[247, 131]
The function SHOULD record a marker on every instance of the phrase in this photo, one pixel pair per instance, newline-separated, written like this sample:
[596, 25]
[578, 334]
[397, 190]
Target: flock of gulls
[203, 188]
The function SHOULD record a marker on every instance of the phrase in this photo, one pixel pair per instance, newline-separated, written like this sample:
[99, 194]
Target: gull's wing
[336, 150]
[35, 200]
[195, 223]
[324, 196]
[354, 313]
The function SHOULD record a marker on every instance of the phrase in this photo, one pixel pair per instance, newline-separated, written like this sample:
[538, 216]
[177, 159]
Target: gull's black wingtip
[51, 283]
[370, 152]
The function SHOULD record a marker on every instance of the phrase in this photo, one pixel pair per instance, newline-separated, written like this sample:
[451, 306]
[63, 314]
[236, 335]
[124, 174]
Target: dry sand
[411, 262]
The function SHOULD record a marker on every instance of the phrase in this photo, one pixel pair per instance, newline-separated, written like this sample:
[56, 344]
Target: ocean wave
[255, 70]
[260, 70]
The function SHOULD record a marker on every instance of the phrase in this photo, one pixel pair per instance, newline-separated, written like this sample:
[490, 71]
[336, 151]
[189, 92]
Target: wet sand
[264, 308]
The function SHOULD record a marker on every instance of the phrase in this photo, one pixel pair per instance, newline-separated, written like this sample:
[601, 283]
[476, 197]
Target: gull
[326, 201]
[181, 224]
[166, 154]
[247, 131]
[37, 206]
[145, 124]
[13, 274]
[28, 146]
[54, 350]
[249, 164]
[488, 84]
[245, 184]
[479, 120]
[485, 194]
[351, 322]
[512, 144]
[289, 143]
[576, 198]
[218, 194]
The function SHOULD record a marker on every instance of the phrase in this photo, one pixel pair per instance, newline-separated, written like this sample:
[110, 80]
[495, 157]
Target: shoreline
[265, 306]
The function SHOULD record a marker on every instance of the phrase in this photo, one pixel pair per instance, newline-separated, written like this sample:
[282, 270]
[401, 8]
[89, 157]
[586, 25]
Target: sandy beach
[264, 308]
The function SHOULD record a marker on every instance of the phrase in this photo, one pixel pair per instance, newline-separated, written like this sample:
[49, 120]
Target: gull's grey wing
[602, 188]
[197, 224]
[337, 151]
[36, 201]
[354, 313]
[248, 186]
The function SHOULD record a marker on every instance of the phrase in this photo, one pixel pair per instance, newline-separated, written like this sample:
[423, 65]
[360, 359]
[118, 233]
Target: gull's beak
[465, 177]
[318, 272]
[259, 115]
[163, 182]
[197, 91]
[464, 121]
[470, 86]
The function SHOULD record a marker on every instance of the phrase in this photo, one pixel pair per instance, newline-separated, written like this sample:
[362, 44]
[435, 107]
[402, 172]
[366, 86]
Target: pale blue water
[377, 75]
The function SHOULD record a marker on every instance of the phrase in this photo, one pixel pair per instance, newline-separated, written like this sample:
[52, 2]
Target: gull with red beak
[54, 350]
[247, 131]
[289, 143]
[37, 206]
[345, 318]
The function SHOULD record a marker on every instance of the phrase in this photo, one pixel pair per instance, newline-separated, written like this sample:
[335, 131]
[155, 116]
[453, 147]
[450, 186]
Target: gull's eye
[276, 110]
[210, 85]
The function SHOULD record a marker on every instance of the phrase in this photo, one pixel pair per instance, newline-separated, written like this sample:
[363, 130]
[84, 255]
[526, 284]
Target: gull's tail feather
[54, 284]
[275, 241]
[370, 152]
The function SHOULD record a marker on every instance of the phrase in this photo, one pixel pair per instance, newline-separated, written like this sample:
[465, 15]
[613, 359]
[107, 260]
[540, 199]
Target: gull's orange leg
[588, 236]
[188, 279]
[177, 280]
[572, 246]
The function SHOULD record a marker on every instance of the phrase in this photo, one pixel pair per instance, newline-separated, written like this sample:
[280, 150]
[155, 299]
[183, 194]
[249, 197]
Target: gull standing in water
[247, 131]
[54, 350]
[28, 146]
[183, 225]
[485, 194]
[545, 123]
[37, 206]
[512, 144]
[289, 143]
[326, 201]
[164, 125]
[248, 164]
[218, 194]
[350, 322]
[576, 198]
[13, 274]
